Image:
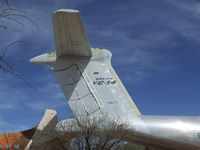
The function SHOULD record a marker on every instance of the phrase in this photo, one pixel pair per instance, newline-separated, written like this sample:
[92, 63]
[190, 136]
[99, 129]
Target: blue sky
[155, 46]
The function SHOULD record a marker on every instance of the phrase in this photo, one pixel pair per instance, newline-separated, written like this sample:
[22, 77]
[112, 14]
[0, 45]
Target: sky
[155, 46]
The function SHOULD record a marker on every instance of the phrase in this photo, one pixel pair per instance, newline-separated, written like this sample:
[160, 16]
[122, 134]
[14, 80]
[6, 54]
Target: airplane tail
[90, 84]
[85, 74]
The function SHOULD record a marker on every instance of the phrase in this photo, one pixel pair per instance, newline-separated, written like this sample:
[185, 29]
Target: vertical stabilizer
[85, 74]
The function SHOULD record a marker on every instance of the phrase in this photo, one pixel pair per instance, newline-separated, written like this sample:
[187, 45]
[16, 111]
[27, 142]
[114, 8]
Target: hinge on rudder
[90, 86]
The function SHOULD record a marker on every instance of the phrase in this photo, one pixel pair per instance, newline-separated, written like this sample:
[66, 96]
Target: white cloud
[191, 6]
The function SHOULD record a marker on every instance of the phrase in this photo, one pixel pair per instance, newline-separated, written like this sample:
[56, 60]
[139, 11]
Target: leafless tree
[84, 133]
[8, 12]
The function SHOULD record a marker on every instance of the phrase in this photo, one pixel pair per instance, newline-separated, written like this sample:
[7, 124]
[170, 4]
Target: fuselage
[166, 132]
[170, 132]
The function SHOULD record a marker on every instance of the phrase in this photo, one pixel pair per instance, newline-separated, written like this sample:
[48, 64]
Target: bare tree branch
[6, 67]
[5, 70]
[13, 14]
[87, 133]
[7, 11]
[9, 46]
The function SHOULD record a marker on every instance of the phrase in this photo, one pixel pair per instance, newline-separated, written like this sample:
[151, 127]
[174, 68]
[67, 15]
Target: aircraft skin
[92, 88]
[169, 132]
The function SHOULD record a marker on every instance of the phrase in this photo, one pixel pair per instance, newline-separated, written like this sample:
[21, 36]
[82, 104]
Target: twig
[14, 14]
[6, 67]
[18, 76]
[7, 48]
[6, 63]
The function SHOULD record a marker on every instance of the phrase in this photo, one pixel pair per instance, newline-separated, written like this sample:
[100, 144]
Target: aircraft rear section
[180, 133]
[92, 87]
[90, 84]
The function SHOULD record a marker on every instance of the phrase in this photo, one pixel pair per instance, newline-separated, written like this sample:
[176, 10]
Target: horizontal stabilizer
[70, 37]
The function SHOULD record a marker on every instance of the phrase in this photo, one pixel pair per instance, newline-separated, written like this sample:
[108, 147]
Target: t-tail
[92, 88]
[85, 74]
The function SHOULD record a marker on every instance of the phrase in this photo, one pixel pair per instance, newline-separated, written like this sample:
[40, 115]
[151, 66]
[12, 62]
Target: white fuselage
[170, 132]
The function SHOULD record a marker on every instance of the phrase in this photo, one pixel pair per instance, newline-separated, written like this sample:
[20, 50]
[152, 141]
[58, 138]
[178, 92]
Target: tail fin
[89, 83]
